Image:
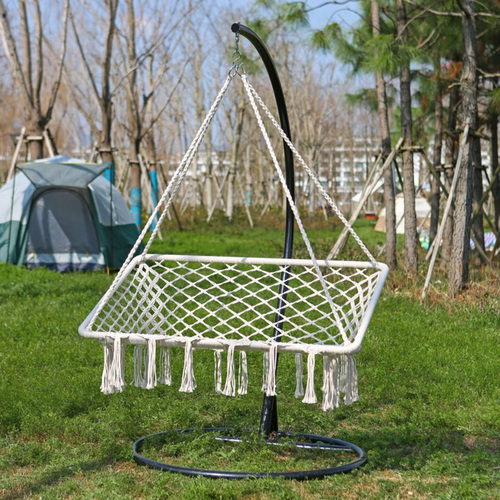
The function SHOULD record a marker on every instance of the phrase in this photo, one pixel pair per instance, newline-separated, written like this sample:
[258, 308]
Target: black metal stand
[269, 415]
[307, 442]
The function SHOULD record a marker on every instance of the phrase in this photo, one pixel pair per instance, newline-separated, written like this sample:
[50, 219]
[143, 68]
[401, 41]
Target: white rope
[310, 395]
[106, 371]
[230, 387]
[117, 369]
[331, 383]
[218, 370]
[188, 383]
[165, 369]
[169, 193]
[150, 376]
[243, 374]
[271, 372]
[314, 178]
[299, 386]
[265, 370]
[349, 379]
[138, 375]
[334, 308]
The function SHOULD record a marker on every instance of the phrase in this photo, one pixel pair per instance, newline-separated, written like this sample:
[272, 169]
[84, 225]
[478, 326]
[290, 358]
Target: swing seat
[235, 303]
[215, 302]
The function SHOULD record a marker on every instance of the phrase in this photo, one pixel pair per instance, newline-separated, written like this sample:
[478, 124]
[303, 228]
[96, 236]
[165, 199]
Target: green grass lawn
[428, 415]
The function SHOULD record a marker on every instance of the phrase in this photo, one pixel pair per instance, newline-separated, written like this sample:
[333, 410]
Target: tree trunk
[451, 156]
[458, 276]
[478, 225]
[105, 148]
[410, 237]
[383, 117]
[494, 166]
[35, 129]
[436, 156]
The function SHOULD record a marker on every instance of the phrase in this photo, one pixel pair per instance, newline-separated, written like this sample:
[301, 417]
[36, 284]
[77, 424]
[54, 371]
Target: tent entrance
[61, 231]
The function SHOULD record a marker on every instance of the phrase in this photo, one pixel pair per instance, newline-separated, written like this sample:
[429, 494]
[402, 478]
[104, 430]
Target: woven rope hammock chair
[233, 305]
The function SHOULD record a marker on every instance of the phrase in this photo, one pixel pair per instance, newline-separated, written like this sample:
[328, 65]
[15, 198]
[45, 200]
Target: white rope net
[303, 306]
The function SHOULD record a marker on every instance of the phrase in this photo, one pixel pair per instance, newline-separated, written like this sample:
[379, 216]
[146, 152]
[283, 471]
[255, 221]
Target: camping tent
[423, 210]
[61, 213]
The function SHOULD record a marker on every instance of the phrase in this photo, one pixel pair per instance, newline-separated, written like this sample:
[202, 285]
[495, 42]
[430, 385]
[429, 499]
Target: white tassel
[165, 375]
[299, 387]
[218, 371]
[230, 387]
[243, 374]
[310, 395]
[138, 374]
[265, 370]
[188, 383]
[349, 379]
[331, 393]
[117, 370]
[327, 385]
[150, 373]
[106, 371]
[335, 363]
[271, 373]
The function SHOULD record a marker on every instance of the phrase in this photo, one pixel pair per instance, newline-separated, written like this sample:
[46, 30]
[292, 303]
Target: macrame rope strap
[314, 178]
[168, 196]
[335, 310]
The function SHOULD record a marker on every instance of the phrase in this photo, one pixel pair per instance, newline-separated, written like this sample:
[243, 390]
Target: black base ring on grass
[314, 442]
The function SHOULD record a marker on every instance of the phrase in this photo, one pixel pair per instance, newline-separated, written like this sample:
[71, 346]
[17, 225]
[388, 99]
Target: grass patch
[428, 416]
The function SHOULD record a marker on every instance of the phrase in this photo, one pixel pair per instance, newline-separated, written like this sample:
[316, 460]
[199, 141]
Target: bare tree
[27, 68]
[103, 96]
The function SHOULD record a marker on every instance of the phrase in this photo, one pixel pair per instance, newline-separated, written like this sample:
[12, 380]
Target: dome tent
[61, 213]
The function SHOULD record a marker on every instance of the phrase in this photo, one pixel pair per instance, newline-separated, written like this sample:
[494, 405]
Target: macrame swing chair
[233, 305]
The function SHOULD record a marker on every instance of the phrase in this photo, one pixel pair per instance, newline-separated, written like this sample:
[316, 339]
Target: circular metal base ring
[312, 442]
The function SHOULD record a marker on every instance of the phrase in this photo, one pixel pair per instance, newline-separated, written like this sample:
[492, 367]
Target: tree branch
[39, 56]
[13, 57]
[60, 66]
[84, 59]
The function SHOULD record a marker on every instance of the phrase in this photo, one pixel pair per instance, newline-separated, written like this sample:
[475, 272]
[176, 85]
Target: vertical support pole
[269, 415]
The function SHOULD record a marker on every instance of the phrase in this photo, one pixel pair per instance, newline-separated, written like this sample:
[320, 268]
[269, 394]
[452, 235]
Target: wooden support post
[48, 143]
[20, 140]
[218, 195]
[242, 194]
[439, 236]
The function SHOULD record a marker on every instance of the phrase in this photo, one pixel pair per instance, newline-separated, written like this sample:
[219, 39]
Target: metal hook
[237, 56]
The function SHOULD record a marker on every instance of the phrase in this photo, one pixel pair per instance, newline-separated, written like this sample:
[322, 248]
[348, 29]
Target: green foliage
[494, 104]
[364, 97]
[427, 416]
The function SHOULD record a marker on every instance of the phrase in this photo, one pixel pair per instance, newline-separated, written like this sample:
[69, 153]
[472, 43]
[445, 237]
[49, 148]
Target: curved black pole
[269, 416]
